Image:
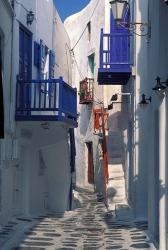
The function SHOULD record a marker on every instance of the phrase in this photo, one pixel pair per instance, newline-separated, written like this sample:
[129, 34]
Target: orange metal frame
[100, 120]
[86, 91]
[100, 125]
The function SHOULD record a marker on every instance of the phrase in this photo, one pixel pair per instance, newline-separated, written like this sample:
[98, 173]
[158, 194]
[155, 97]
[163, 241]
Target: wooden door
[25, 67]
[90, 163]
[25, 54]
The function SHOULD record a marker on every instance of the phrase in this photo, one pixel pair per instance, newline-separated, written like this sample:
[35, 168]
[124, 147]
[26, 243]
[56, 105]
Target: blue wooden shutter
[51, 63]
[39, 58]
[42, 59]
[37, 54]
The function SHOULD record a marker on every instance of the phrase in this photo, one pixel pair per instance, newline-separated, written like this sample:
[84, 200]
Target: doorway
[90, 162]
[25, 68]
[1, 96]
[18, 191]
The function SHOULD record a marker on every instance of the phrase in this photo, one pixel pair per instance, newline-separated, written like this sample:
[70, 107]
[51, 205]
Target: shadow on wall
[119, 140]
[85, 118]
[115, 140]
[111, 194]
[115, 121]
[99, 174]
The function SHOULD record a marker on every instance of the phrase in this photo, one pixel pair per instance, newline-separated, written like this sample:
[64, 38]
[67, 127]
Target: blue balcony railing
[46, 100]
[114, 58]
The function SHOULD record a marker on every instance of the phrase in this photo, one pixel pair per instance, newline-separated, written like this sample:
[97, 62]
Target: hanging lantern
[118, 8]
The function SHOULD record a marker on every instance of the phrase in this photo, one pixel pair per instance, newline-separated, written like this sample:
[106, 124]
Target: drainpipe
[162, 175]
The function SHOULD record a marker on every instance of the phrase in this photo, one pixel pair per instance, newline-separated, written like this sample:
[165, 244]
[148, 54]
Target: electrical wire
[86, 26]
[77, 66]
[16, 1]
[66, 46]
[98, 101]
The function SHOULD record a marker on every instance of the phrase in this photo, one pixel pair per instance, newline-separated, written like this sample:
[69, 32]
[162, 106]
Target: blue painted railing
[46, 100]
[115, 67]
[114, 51]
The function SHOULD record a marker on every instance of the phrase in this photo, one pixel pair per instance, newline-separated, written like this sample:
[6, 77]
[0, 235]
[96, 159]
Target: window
[89, 30]
[25, 54]
[44, 60]
[91, 66]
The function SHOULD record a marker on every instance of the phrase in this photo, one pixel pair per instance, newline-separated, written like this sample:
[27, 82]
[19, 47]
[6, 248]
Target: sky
[66, 8]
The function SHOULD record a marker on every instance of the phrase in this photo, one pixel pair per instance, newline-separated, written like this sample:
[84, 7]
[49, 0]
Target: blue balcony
[46, 100]
[115, 68]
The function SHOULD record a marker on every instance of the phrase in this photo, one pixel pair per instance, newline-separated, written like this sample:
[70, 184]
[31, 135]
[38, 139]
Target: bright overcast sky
[69, 7]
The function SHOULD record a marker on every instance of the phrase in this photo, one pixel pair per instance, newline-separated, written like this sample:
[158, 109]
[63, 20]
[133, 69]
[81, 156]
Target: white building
[141, 129]
[151, 122]
[36, 153]
[85, 65]
[91, 153]
[6, 29]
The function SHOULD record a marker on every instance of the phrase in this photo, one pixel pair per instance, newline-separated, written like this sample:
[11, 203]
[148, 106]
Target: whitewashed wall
[157, 52]
[141, 142]
[5, 144]
[150, 130]
[27, 185]
[83, 49]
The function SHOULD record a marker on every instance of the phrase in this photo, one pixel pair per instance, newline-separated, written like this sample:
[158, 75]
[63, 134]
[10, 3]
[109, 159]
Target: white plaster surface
[82, 50]
[35, 163]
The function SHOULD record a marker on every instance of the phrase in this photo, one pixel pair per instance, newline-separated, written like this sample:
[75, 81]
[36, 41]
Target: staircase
[116, 186]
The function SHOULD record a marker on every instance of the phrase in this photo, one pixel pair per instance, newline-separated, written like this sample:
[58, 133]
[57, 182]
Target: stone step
[115, 150]
[115, 160]
[115, 167]
[116, 175]
[113, 183]
[116, 146]
[119, 181]
[123, 211]
[118, 190]
[116, 134]
[118, 200]
[117, 197]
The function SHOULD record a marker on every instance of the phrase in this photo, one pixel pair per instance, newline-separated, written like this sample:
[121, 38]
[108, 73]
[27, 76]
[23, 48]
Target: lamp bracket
[144, 27]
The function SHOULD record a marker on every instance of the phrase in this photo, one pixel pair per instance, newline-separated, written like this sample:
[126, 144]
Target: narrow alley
[83, 124]
[88, 227]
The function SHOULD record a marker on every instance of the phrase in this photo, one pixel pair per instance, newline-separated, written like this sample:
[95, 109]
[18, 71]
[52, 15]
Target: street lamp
[145, 100]
[160, 86]
[30, 17]
[119, 8]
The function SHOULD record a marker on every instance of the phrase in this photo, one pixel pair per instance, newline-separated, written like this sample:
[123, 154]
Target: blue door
[25, 66]
[119, 42]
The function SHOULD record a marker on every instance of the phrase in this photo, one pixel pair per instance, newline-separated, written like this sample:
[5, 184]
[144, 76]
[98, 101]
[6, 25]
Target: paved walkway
[87, 228]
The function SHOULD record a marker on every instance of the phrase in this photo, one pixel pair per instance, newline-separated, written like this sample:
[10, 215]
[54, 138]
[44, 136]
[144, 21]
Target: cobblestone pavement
[87, 228]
